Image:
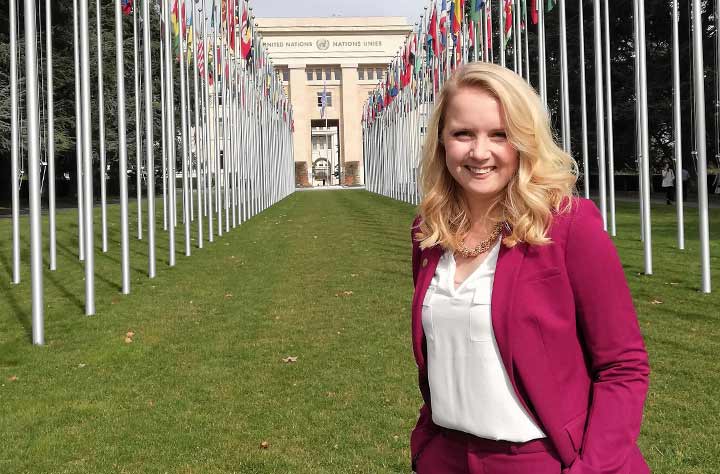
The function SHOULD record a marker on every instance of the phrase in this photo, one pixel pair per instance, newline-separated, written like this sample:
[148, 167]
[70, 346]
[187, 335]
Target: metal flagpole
[149, 148]
[216, 113]
[645, 148]
[196, 135]
[583, 105]
[517, 44]
[564, 85]
[527, 42]
[501, 29]
[677, 124]
[78, 134]
[608, 94]
[170, 121]
[183, 125]
[50, 137]
[14, 155]
[87, 160]
[541, 51]
[600, 112]
[163, 120]
[101, 129]
[36, 270]
[638, 131]
[122, 150]
[208, 148]
[699, 89]
[138, 131]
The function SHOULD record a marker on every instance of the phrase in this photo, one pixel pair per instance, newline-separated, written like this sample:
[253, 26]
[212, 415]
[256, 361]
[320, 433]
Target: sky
[410, 9]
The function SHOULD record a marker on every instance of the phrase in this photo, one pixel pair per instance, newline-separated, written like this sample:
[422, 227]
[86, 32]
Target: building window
[286, 75]
[369, 74]
[379, 73]
[309, 75]
[328, 99]
[338, 74]
[361, 73]
[318, 74]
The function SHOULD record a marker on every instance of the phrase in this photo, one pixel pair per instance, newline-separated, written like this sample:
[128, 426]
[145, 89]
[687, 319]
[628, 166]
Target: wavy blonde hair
[543, 184]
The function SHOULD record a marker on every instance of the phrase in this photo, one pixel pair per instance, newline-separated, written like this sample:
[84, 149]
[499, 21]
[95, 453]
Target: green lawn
[321, 276]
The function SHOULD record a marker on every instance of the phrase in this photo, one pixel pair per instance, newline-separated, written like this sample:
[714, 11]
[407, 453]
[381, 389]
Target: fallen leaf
[353, 275]
[656, 302]
[128, 340]
[81, 365]
[228, 296]
[13, 378]
[290, 359]
[264, 445]
[344, 293]
[130, 334]
[674, 283]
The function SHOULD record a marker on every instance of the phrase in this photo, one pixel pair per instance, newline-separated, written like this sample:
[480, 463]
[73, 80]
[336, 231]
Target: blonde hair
[543, 184]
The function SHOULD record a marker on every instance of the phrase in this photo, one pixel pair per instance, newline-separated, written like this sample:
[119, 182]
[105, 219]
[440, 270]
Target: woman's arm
[611, 338]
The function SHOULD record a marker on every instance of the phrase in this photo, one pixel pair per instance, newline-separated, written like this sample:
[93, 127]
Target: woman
[529, 352]
[668, 183]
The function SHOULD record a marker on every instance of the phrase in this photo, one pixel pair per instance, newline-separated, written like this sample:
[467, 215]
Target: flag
[245, 34]
[476, 7]
[433, 32]
[323, 101]
[550, 5]
[457, 7]
[508, 20]
[488, 16]
[127, 6]
[443, 27]
[231, 24]
[534, 11]
[200, 58]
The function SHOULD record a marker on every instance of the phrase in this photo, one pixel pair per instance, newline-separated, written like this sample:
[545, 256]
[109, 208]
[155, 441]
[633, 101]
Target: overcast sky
[410, 9]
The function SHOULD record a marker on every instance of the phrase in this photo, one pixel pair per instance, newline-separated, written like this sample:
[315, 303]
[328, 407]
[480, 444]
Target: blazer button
[424, 262]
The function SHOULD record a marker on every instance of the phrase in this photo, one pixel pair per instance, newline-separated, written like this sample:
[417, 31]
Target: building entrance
[325, 153]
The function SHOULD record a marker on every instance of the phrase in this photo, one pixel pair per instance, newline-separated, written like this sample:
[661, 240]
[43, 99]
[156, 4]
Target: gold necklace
[483, 246]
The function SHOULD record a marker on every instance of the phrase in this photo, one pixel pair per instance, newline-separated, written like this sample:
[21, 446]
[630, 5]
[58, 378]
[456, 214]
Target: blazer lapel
[506, 274]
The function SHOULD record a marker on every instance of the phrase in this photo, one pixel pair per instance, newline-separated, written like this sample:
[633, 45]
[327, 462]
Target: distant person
[668, 183]
[528, 347]
[685, 183]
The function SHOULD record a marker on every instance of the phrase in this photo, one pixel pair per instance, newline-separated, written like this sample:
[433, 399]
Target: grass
[203, 383]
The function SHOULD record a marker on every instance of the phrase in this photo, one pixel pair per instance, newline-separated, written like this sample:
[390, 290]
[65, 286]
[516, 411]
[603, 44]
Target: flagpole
[78, 134]
[163, 120]
[541, 51]
[216, 113]
[644, 139]
[501, 29]
[699, 88]
[564, 85]
[33, 127]
[600, 111]
[206, 132]
[149, 140]
[583, 104]
[50, 137]
[677, 127]
[196, 137]
[138, 131]
[170, 122]
[101, 129]
[15, 139]
[527, 43]
[608, 94]
[122, 150]
[87, 160]
[183, 125]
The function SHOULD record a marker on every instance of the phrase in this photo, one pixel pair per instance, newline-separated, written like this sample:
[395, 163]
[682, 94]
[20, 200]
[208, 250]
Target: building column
[350, 125]
[297, 89]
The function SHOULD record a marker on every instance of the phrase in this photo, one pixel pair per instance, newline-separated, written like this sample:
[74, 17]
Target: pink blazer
[570, 342]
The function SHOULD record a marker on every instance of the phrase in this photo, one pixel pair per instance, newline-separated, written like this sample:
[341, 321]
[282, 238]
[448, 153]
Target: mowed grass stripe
[321, 276]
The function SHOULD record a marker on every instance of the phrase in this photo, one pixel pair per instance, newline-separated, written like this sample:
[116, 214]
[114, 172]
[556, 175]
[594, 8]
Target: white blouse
[469, 388]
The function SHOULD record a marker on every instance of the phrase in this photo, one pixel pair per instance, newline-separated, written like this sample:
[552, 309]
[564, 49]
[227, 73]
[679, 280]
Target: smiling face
[478, 153]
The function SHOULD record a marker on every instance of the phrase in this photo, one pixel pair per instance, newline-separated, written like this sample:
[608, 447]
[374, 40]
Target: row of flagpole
[237, 129]
[400, 105]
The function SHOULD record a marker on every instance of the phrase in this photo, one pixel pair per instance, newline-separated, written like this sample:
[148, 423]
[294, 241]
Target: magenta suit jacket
[569, 338]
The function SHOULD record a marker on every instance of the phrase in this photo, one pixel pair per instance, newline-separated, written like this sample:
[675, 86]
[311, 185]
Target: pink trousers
[454, 452]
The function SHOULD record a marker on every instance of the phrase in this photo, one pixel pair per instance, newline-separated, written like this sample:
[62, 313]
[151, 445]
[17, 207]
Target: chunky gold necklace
[483, 246]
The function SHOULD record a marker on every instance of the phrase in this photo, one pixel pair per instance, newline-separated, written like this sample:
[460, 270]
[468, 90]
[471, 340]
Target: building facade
[329, 67]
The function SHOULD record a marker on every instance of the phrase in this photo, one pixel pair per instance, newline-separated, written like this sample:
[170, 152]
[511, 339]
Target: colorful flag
[457, 7]
[550, 5]
[245, 34]
[443, 27]
[127, 7]
[534, 11]
[476, 7]
[433, 32]
[508, 20]
[231, 25]
[488, 16]
[323, 101]
[200, 58]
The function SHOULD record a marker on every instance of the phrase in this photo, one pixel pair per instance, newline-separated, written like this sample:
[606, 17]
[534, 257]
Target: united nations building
[329, 67]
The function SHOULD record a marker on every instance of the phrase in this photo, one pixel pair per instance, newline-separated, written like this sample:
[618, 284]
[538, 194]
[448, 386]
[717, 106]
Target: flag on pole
[245, 34]
[551, 5]
[508, 20]
[476, 7]
[231, 24]
[443, 27]
[200, 58]
[323, 101]
[433, 32]
[127, 7]
[488, 16]
[534, 11]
